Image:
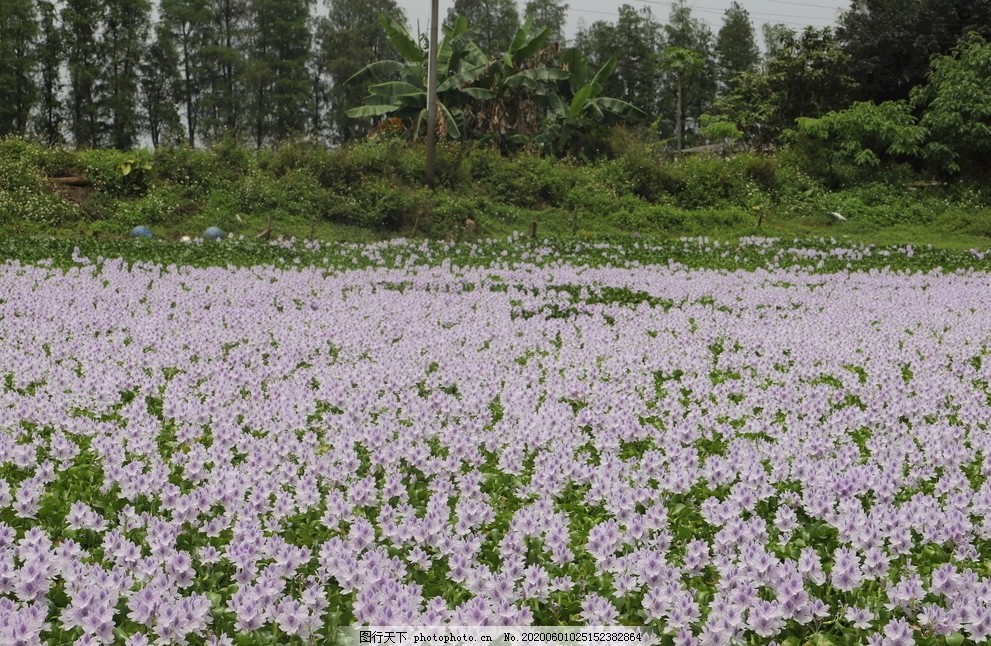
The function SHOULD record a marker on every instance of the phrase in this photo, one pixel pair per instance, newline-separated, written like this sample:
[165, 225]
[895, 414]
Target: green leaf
[393, 89]
[453, 128]
[579, 101]
[536, 75]
[378, 69]
[618, 106]
[461, 78]
[955, 639]
[480, 93]
[535, 44]
[599, 80]
[401, 38]
[365, 111]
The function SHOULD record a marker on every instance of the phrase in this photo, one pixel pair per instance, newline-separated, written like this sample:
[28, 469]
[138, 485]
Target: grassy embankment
[375, 190]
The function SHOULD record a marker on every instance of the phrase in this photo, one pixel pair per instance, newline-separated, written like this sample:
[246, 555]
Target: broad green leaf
[401, 38]
[599, 80]
[364, 111]
[461, 78]
[618, 106]
[392, 89]
[534, 45]
[480, 93]
[536, 75]
[453, 128]
[519, 39]
[579, 101]
[378, 69]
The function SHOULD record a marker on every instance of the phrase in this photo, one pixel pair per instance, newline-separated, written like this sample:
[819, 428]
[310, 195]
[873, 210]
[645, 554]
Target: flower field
[795, 452]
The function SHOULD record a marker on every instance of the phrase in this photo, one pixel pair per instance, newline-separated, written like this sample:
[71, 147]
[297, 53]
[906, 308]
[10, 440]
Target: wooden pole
[432, 95]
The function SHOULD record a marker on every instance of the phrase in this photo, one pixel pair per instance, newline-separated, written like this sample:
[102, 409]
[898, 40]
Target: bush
[976, 222]
[524, 180]
[117, 173]
[382, 204]
[25, 196]
[450, 212]
[198, 170]
[162, 205]
[707, 181]
[649, 177]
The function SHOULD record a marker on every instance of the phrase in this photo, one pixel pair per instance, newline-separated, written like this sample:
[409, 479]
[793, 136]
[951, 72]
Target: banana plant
[579, 101]
[460, 65]
[520, 80]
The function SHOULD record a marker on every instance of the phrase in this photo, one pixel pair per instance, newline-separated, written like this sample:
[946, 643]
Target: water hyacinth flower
[638, 442]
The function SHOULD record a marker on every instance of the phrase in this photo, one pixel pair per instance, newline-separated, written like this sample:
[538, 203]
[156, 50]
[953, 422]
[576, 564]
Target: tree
[291, 83]
[736, 46]
[49, 54]
[633, 42]
[838, 145]
[891, 42]
[493, 21]
[578, 104]
[160, 83]
[81, 21]
[683, 64]
[348, 39]
[402, 91]
[956, 105]
[808, 76]
[18, 91]
[498, 98]
[775, 35]
[276, 78]
[223, 60]
[693, 77]
[552, 14]
[124, 33]
[187, 22]
[519, 82]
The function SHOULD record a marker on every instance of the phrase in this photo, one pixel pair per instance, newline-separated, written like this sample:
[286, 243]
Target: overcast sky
[794, 13]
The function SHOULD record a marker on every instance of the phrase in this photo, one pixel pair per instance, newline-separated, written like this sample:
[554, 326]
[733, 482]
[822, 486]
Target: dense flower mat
[262, 455]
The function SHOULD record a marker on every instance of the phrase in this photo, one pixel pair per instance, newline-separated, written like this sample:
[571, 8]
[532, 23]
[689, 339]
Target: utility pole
[432, 95]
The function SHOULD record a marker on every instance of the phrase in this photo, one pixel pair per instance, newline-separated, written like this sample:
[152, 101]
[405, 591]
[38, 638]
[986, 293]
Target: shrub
[198, 170]
[525, 180]
[384, 204]
[449, 213]
[975, 222]
[117, 173]
[706, 181]
[25, 196]
[162, 205]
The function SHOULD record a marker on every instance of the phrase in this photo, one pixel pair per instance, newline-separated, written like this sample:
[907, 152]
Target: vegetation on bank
[375, 190]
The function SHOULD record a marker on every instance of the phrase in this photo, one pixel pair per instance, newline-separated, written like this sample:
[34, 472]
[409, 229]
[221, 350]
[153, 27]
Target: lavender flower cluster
[200, 455]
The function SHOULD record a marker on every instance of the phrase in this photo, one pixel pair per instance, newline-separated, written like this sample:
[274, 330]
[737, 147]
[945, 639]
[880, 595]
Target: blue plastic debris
[213, 233]
[141, 232]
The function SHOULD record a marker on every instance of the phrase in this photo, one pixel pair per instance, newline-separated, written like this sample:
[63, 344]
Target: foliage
[18, 88]
[493, 22]
[863, 135]
[126, 28]
[460, 65]
[347, 40]
[552, 14]
[890, 43]
[956, 101]
[579, 103]
[736, 46]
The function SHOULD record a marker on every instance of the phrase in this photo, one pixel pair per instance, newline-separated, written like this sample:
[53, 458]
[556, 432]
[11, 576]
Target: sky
[794, 13]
